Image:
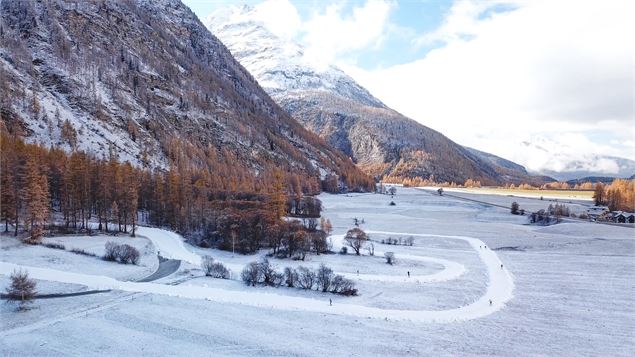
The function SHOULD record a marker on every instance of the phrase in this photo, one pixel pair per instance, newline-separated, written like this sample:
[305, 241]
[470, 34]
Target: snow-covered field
[564, 290]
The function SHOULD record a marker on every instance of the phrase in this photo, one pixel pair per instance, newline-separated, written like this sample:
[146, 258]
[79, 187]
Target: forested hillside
[147, 82]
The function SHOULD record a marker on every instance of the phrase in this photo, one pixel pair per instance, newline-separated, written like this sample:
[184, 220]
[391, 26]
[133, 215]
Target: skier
[357, 272]
[501, 266]
[490, 302]
[331, 302]
[408, 273]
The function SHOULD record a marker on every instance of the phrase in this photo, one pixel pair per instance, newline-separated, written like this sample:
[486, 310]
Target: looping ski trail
[499, 289]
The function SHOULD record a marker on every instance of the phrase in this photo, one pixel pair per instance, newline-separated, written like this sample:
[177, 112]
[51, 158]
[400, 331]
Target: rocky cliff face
[147, 81]
[330, 103]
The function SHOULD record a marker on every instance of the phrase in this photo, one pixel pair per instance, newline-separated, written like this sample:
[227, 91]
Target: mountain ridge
[147, 81]
[330, 103]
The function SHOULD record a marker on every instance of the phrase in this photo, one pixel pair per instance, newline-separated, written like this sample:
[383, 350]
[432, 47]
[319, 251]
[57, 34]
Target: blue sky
[490, 74]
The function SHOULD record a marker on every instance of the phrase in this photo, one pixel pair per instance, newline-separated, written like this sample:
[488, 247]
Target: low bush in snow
[290, 277]
[122, 253]
[214, 269]
[251, 274]
[83, 252]
[390, 258]
[54, 246]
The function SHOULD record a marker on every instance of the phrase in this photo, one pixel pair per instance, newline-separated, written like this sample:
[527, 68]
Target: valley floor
[563, 290]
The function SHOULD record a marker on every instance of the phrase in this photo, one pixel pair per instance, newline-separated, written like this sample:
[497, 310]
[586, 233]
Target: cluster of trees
[409, 241]
[36, 182]
[225, 207]
[323, 279]
[618, 196]
[542, 217]
[303, 206]
[559, 210]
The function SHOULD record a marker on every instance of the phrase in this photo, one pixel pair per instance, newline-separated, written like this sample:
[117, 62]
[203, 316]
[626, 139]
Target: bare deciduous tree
[306, 278]
[356, 239]
[324, 278]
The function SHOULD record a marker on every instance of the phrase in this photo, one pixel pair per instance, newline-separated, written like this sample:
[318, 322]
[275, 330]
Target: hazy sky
[489, 74]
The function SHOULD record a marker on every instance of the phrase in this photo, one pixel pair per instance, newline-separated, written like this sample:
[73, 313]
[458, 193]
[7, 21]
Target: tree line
[226, 207]
[618, 196]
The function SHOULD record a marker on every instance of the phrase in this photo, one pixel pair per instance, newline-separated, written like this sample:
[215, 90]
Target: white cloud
[280, 17]
[546, 67]
[331, 34]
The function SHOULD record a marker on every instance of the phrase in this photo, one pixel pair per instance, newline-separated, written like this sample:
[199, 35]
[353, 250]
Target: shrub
[251, 274]
[324, 278]
[123, 253]
[22, 289]
[111, 251]
[206, 264]
[341, 285]
[218, 270]
[55, 246]
[128, 254]
[306, 278]
[344, 251]
[268, 273]
[514, 208]
[390, 258]
[290, 277]
[82, 252]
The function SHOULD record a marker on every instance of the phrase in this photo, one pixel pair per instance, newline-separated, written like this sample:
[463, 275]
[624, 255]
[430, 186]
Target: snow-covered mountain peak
[279, 64]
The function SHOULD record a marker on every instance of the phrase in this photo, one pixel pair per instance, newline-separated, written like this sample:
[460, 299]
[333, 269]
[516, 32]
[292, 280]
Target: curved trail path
[499, 288]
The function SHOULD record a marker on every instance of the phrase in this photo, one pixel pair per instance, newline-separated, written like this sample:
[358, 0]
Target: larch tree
[598, 194]
[278, 198]
[37, 199]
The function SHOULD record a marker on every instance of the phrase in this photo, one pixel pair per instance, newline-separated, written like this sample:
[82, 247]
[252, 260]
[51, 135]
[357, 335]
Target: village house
[595, 212]
[623, 217]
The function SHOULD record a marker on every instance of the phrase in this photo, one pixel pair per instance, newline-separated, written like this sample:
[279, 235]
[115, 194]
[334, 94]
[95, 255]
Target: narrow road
[166, 267]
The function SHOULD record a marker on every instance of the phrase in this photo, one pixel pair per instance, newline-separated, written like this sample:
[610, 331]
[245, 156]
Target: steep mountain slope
[146, 80]
[347, 116]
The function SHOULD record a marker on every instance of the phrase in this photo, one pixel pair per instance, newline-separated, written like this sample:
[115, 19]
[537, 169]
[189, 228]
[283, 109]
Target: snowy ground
[565, 290]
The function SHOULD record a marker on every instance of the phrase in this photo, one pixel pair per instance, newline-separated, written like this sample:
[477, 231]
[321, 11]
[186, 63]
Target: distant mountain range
[330, 103]
[147, 81]
[552, 158]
